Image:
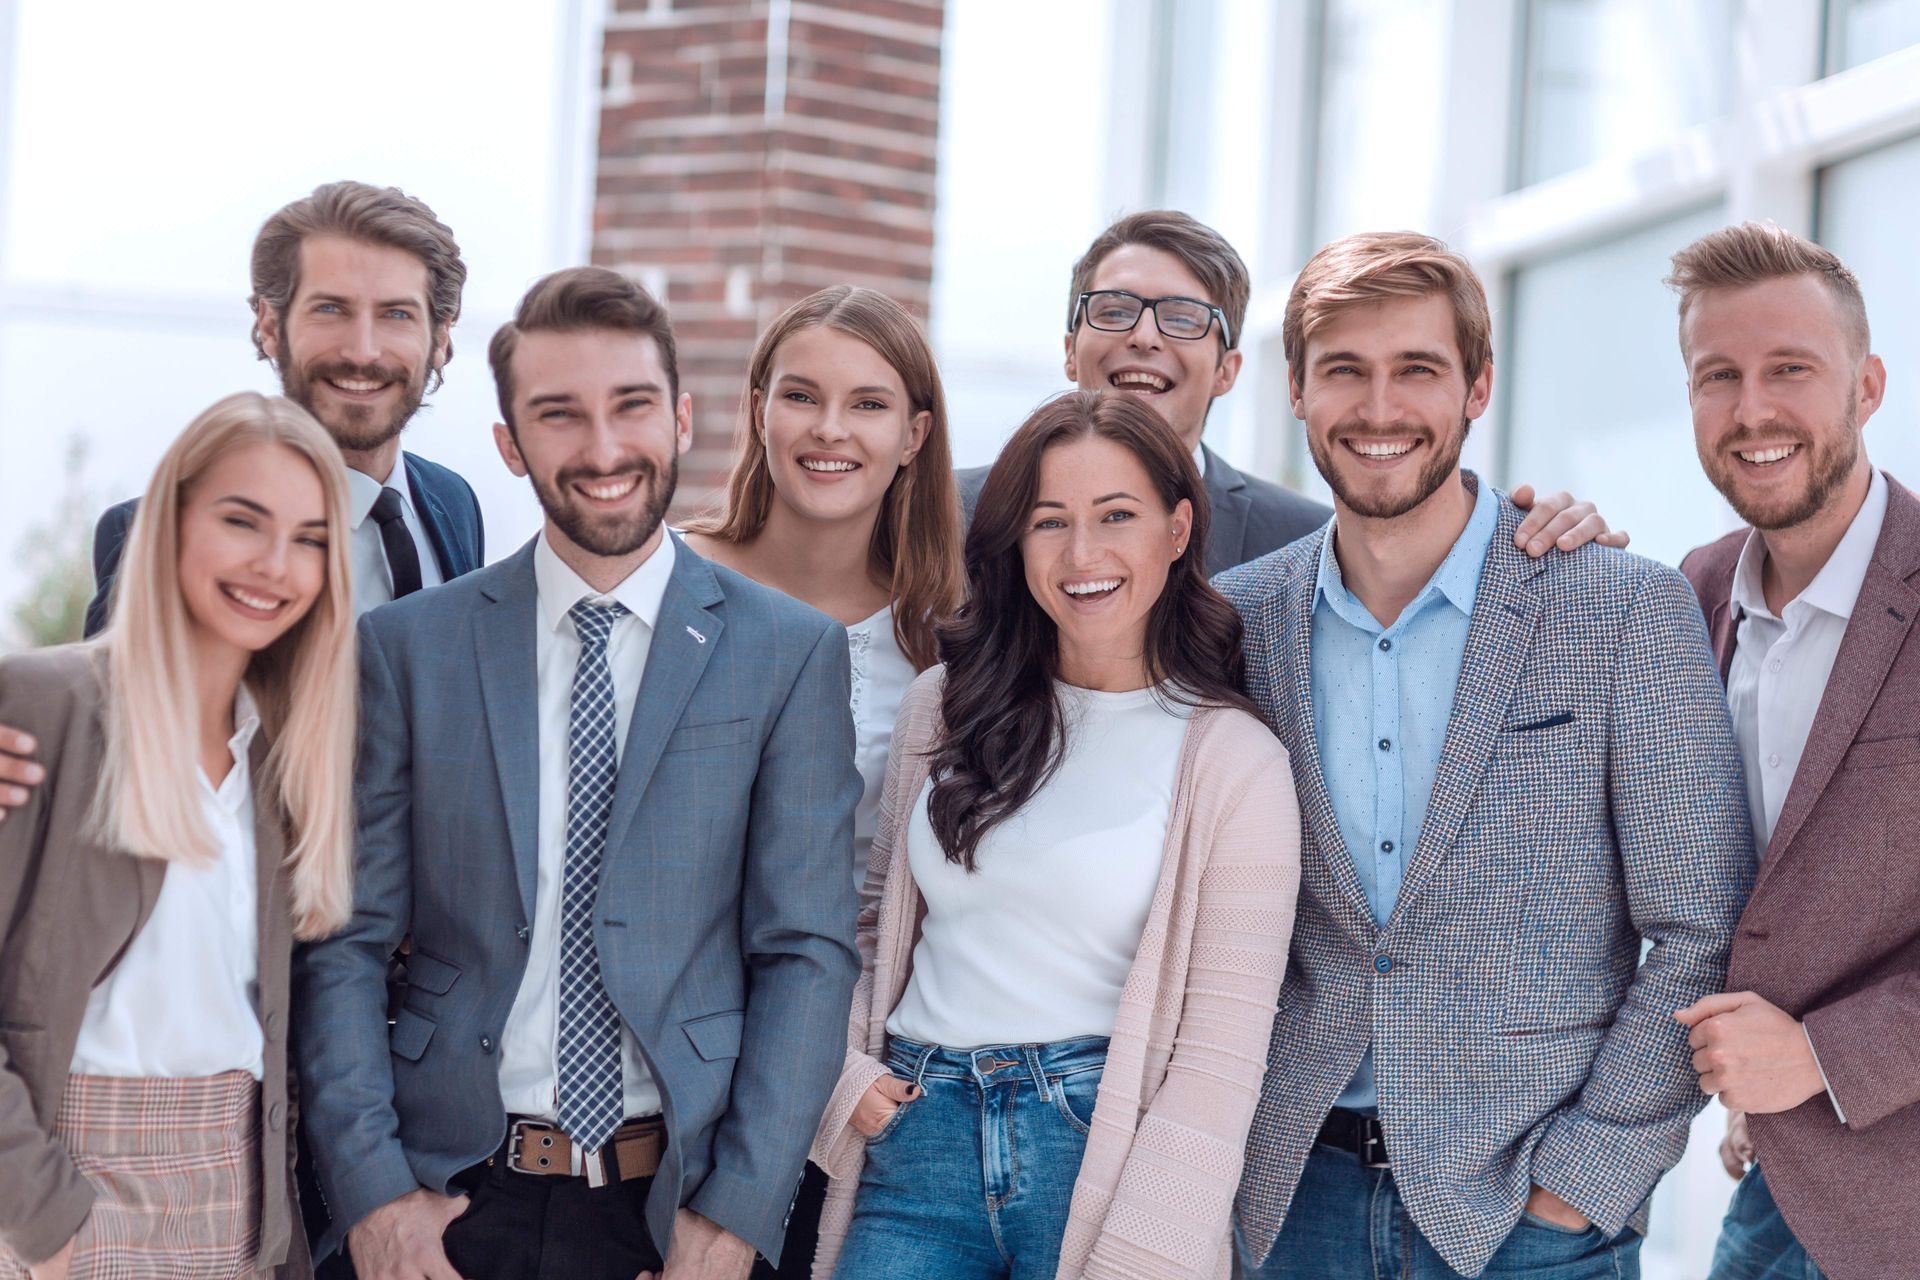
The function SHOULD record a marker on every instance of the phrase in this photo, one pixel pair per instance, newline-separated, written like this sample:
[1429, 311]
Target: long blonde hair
[917, 537]
[303, 683]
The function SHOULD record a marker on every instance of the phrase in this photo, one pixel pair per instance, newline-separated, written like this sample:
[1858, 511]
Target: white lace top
[881, 674]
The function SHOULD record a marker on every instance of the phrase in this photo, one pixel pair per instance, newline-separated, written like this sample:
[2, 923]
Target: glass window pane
[1609, 77]
[1596, 395]
[1384, 69]
[1868, 29]
[1866, 218]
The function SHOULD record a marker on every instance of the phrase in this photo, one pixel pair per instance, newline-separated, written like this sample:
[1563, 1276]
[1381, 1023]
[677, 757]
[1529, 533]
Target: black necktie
[403, 560]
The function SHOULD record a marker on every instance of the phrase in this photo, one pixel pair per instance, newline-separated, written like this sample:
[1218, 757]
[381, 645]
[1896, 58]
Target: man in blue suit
[355, 292]
[1526, 838]
[608, 789]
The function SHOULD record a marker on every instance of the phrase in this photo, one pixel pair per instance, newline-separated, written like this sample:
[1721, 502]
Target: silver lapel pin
[696, 635]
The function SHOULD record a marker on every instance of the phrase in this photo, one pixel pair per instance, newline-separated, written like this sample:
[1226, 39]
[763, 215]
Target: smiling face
[253, 547]
[1779, 396]
[1097, 548]
[1179, 378]
[1386, 403]
[837, 423]
[597, 430]
[356, 345]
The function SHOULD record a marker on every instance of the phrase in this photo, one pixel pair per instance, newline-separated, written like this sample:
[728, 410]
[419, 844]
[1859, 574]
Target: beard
[607, 535]
[358, 428]
[1441, 461]
[1831, 457]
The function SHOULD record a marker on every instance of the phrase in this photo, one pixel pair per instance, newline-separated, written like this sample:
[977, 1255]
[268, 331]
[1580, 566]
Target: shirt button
[1386, 846]
[1773, 761]
[523, 933]
[1383, 964]
[1386, 744]
[486, 1044]
[1774, 665]
[1386, 645]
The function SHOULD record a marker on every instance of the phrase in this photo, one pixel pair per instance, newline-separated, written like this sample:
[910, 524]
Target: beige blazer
[68, 909]
[1155, 1190]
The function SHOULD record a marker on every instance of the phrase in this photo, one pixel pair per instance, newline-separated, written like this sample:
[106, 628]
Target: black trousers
[521, 1227]
[803, 1231]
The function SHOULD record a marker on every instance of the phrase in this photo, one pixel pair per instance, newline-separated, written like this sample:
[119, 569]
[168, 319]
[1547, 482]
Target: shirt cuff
[1837, 1109]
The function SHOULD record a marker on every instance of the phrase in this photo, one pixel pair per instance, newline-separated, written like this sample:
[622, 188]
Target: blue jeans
[1755, 1242]
[973, 1178]
[1347, 1223]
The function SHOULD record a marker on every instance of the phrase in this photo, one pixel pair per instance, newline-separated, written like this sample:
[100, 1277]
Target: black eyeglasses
[1117, 311]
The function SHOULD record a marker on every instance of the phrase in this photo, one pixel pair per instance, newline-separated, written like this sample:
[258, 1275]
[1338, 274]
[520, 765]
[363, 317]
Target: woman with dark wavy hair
[1081, 893]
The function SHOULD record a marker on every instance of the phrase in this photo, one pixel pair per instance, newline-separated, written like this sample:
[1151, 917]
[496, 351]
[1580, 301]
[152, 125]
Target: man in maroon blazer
[1815, 1048]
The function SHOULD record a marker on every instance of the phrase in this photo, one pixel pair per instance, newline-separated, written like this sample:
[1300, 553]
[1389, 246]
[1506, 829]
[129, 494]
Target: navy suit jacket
[724, 920]
[445, 502]
[1251, 516]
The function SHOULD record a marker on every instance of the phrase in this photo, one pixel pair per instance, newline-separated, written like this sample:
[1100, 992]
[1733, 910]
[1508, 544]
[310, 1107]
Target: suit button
[486, 1044]
[1383, 964]
[523, 933]
[275, 1023]
[276, 1116]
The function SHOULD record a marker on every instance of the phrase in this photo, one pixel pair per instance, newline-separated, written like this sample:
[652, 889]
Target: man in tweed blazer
[1515, 775]
[1816, 1044]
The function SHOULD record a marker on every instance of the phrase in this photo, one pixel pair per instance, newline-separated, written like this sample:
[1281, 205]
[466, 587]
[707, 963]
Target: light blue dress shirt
[1381, 699]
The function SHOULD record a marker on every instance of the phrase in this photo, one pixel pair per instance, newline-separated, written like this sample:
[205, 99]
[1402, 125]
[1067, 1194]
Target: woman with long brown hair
[195, 820]
[1083, 891]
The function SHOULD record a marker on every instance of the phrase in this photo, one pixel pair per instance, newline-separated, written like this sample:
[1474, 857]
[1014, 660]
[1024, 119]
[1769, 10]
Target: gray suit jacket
[725, 916]
[1588, 800]
[1832, 934]
[1251, 516]
[69, 908]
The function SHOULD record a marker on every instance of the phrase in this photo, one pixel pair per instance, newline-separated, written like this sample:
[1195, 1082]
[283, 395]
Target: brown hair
[1201, 250]
[575, 299]
[377, 215]
[1004, 734]
[1358, 270]
[1755, 252]
[916, 539]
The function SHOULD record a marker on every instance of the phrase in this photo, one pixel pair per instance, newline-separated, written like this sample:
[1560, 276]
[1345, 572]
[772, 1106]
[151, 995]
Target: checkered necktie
[591, 1098]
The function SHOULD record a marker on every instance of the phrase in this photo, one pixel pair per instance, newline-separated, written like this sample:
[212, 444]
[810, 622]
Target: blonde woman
[195, 820]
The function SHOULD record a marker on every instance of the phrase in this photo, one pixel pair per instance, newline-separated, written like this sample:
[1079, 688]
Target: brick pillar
[753, 151]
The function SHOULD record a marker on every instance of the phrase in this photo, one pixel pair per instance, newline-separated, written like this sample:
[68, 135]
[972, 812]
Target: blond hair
[1376, 266]
[303, 683]
[916, 538]
[1756, 252]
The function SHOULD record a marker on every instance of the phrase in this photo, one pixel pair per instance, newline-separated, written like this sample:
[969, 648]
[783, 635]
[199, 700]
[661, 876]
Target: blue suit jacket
[725, 918]
[445, 502]
[1588, 801]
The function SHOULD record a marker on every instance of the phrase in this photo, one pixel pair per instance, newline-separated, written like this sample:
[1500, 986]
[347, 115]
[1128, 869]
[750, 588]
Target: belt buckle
[1372, 1138]
[516, 1142]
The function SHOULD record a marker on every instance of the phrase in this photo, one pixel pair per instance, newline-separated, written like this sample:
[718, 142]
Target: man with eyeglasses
[1155, 310]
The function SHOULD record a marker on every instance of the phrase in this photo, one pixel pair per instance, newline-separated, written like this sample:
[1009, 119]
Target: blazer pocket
[1549, 722]
[410, 1035]
[1882, 754]
[716, 1036]
[697, 737]
[430, 974]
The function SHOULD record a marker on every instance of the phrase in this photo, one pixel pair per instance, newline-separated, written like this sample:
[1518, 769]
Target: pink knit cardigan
[1154, 1196]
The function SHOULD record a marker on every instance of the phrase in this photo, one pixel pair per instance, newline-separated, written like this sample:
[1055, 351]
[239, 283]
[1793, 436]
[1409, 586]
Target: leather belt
[1356, 1132]
[535, 1147]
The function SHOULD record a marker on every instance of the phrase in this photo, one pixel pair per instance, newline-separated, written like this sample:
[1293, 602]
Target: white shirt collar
[1200, 459]
[363, 491]
[1837, 586]
[559, 588]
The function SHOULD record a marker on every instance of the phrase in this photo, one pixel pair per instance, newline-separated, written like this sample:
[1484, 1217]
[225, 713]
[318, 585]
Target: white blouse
[881, 674]
[181, 1001]
[1035, 944]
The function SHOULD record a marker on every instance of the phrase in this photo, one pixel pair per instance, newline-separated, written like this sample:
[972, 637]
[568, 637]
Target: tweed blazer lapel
[1506, 613]
[505, 644]
[1288, 626]
[1882, 617]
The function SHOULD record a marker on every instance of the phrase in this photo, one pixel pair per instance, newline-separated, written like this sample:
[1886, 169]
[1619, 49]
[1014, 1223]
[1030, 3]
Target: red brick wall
[734, 180]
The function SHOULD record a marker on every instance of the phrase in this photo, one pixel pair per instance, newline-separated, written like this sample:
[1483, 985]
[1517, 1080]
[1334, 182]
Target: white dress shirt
[529, 1045]
[1781, 664]
[881, 674]
[372, 579]
[180, 1003]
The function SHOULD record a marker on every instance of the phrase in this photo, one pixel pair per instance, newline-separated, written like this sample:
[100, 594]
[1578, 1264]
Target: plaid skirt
[175, 1165]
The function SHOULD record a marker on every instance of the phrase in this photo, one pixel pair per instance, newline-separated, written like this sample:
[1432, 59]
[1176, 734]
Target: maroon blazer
[1832, 931]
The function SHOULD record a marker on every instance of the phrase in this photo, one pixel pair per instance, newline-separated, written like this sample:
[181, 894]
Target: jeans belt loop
[1037, 1070]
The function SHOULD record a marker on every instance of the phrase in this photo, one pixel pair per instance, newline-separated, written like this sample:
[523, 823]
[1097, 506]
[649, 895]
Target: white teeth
[1382, 449]
[346, 384]
[266, 604]
[1139, 377]
[822, 464]
[1776, 454]
[610, 492]
[1090, 588]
